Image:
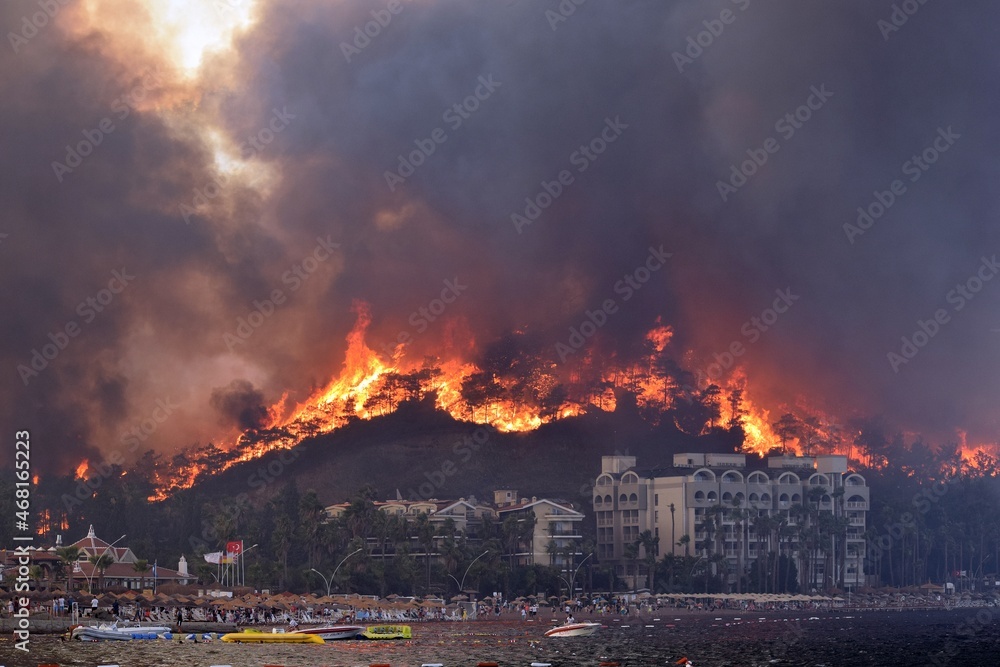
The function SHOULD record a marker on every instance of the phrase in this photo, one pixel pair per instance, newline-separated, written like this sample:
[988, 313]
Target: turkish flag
[234, 548]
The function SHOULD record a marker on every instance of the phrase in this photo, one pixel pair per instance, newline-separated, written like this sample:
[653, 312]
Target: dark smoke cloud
[240, 403]
[163, 336]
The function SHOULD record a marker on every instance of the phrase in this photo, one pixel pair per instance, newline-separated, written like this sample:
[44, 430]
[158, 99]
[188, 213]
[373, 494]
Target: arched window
[632, 498]
[713, 496]
[598, 501]
[607, 500]
[623, 499]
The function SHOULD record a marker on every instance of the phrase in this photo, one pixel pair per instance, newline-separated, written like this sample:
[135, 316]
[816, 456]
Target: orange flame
[82, 469]
[369, 386]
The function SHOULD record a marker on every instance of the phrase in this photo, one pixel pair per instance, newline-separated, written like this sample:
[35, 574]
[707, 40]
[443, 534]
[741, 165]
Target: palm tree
[100, 563]
[649, 545]
[70, 556]
[425, 536]
[685, 542]
[631, 553]
[141, 566]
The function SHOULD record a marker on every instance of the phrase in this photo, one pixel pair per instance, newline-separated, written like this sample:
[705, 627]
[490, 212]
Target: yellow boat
[387, 632]
[258, 637]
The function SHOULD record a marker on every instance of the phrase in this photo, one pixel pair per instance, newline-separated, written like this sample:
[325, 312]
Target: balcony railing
[857, 505]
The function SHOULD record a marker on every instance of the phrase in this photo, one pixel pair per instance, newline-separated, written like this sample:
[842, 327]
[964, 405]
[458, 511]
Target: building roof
[126, 571]
[94, 546]
[561, 504]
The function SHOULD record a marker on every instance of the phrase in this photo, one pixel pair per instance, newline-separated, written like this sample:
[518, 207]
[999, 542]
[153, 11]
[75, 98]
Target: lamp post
[243, 570]
[105, 551]
[461, 585]
[329, 582]
[572, 579]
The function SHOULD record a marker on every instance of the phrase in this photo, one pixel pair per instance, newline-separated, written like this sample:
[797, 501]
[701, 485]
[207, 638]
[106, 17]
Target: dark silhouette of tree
[787, 427]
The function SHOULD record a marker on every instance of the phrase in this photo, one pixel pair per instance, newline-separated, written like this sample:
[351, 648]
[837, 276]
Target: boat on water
[258, 637]
[114, 632]
[387, 632]
[573, 630]
[333, 632]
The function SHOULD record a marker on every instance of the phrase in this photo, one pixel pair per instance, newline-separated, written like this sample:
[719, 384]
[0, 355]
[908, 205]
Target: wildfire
[976, 453]
[82, 469]
[521, 396]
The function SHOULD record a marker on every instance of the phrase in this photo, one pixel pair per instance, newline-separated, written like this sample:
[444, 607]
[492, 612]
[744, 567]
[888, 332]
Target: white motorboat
[574, 630]
[333, 632]
[114, 632]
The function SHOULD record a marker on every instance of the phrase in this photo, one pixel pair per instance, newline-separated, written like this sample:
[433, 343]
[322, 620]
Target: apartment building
[708, 504]
[556, 536]
[552, 534]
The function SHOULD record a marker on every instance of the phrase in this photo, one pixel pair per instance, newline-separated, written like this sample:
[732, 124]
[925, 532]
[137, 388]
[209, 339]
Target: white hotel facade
[676, 501]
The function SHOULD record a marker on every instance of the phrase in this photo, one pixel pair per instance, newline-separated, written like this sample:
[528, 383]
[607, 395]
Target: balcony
[857, 505]
[856, 521]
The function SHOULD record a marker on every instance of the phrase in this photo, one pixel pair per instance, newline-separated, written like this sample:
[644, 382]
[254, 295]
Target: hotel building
[717, 502]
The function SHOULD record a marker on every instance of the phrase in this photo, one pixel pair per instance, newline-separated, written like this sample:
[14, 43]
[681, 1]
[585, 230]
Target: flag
[215, 557]
[234, 547]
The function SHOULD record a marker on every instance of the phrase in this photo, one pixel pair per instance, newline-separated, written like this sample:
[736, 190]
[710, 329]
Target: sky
[197, 197]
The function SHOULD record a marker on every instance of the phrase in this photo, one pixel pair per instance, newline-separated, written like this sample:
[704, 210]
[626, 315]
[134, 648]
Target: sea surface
[963, 638]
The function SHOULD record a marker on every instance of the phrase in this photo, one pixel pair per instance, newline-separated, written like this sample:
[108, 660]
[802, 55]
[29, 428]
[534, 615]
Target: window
[633, 498]
[656, 499]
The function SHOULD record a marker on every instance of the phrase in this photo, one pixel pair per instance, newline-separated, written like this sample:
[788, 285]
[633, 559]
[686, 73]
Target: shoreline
[663, 615]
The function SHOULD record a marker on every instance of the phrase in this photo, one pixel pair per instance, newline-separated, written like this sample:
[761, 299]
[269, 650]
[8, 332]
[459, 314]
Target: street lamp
[243, 570]
[105, 551]
[572, 588]
[461, 586]
[329, 582]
